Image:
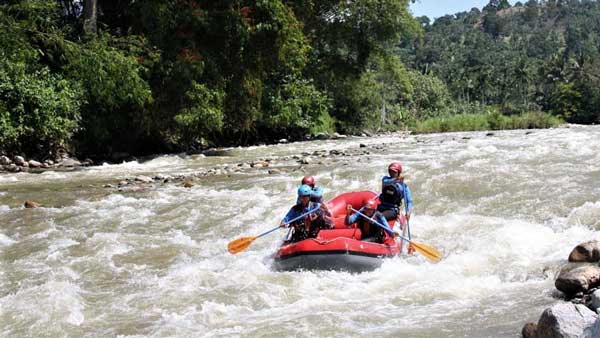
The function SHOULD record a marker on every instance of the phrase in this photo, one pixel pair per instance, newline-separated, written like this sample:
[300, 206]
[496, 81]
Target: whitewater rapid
[505, 209]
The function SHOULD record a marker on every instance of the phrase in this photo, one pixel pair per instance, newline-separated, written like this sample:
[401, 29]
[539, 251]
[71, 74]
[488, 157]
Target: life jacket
[369, 229]
[392, 194]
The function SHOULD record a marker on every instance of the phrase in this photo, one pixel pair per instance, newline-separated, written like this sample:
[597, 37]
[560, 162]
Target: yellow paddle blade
[240, 244]
[429, 252]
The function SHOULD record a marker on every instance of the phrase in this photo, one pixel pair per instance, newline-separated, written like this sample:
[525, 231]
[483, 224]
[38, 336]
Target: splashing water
[505, 210]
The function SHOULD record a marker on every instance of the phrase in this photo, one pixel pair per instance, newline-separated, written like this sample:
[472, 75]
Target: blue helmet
[304, 190]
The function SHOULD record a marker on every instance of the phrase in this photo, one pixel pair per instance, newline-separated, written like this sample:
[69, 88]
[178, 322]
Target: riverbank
[457, 123]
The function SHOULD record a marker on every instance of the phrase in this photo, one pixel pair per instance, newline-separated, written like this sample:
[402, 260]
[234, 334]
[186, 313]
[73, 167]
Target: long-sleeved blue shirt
[402, 186]
[377, 216]
[298, 210]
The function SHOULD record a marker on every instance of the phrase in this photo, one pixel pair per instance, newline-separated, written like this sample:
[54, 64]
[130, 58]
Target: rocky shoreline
[579, 282]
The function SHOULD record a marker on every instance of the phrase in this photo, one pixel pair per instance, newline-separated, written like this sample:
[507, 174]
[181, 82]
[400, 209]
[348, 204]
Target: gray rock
[283, 140]
[580, 279]
[13, 168]
[274, 171]
[529, 330]
[586, 252]
[337, 136]
[144, 179]
[5, 160]
[69, 162]
[49, 162]
[25, 164]
[594, 331]
[595, 300]
[362, 145]
[19, 160]
[122, 183]
[260, 164]
[306, 160]
[565, 320]
[162, 177]
[34, 164]
[322, 136]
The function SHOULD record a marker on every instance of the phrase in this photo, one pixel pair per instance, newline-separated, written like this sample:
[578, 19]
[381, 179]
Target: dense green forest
[104, 76]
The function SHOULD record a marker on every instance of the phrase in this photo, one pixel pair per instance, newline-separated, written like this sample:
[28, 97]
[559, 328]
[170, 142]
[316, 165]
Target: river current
[504, 209]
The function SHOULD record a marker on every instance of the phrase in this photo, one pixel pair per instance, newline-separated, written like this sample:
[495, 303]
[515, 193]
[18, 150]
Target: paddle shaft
[406, 209]
[374, 221]
[291, 221]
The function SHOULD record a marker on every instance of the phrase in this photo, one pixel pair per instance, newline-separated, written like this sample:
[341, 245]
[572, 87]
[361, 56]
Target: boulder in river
[34, 164]
[579, 279]
[19, 160]
[586, 252]
[188, 184]
[31, 204]
[566, 320]
[5, 160]
[529, 330]
[69, 162]
[143, 179]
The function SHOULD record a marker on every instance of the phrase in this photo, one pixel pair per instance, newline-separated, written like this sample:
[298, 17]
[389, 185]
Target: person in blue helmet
[370, 232]
[393, 192]
[309, 226]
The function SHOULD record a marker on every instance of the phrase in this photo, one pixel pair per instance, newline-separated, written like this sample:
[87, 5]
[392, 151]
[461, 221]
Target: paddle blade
[240, 244]
[429, 252]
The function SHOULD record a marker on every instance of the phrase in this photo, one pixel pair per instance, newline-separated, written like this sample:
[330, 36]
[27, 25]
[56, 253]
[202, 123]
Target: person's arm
[350, 219]
[408, 200]
[290, 215]
[383, 221]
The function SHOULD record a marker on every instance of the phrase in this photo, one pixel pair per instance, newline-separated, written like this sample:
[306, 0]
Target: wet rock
[123, 183]
[595, 300]
[322, 136]
[5, 160]
[489, 134]
[49, 162]
[335, 152]
[143, 179]
[69, 162]
[579, 279]
[216, 152]
[529, 132]
[306, 160]
[13, 168]
[274, 171]
[31, 204]
[87, 162]
[529, 330]
[362, 145]
[283, 140]
[19, 160]
[259, 164]
[163, 177]
[108, 186]
[34, 164]
[566, 320]
[337, 136]
[188, 184]
[586, 252]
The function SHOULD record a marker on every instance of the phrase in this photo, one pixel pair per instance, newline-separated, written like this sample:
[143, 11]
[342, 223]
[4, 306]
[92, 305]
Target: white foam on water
[5, 240]
[8, 178]
[48, 307]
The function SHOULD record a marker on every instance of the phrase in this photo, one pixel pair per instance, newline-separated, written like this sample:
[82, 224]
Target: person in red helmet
[317, 192]
[393, 192]
[370, 231]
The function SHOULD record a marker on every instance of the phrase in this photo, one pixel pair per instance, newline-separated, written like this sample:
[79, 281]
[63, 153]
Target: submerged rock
[586, 252]
[580, 279]
[566, 320]
[31, 204]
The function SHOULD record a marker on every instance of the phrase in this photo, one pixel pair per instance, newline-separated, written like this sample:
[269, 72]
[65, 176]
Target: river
[504, 209]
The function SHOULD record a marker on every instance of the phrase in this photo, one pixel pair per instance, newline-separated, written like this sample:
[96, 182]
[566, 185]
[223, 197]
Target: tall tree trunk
[89, 16]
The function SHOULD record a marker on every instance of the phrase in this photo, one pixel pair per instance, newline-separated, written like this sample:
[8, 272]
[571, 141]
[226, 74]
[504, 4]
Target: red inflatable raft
[340, 248]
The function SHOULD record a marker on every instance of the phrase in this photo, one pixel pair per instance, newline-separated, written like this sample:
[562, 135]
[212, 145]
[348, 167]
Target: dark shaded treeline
[105, 76]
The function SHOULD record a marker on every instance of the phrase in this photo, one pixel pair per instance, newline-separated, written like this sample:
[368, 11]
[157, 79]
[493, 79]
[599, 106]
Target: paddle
[240, 244]
[429, 252]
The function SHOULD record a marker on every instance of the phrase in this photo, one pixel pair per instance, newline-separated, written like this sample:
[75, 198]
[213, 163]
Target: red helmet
[371, 204]
[395, 166]
[309, 180]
